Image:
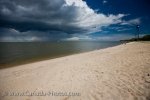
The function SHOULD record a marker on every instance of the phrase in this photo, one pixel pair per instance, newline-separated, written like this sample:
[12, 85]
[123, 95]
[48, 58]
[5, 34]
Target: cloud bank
[52, 16]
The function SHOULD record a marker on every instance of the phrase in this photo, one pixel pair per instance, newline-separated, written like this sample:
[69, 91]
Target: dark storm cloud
[29, 20]
[12, 35]
[43, 15]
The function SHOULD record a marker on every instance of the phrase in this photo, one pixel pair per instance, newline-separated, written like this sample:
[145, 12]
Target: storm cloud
[70, 16]
[52, 17]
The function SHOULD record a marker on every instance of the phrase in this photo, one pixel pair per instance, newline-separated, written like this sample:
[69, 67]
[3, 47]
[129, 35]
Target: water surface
[14, 53]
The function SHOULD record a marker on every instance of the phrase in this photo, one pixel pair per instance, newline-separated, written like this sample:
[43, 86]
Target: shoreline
[120, 73]
[43, 58]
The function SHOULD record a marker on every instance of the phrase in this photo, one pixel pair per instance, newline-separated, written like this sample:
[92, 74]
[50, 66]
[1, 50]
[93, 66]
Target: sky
[72, 20]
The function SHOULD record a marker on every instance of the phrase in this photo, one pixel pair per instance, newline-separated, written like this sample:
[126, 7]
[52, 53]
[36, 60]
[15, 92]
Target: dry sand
[116, 73]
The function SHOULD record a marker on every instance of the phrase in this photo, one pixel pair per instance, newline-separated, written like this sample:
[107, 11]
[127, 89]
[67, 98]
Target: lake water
[14, 53]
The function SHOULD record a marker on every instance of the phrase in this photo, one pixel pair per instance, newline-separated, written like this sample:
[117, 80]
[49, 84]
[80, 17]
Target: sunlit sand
[116, 73]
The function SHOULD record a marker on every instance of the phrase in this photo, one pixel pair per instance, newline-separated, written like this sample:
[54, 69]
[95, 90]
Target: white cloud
[72, 39]
[104, 1]
[114, 37]
[20, 39]
[132, 22]
[119, 28]
[87, 18]
[79, 38]
[110, 37]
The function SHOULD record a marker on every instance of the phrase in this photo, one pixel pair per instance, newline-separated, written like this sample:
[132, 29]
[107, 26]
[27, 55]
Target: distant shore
[115, 73]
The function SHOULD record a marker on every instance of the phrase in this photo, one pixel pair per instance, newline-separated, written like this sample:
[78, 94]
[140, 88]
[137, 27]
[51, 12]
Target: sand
[116, 73]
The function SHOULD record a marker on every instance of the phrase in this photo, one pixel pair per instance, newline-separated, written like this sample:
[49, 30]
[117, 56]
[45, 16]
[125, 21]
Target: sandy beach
[116, 73]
